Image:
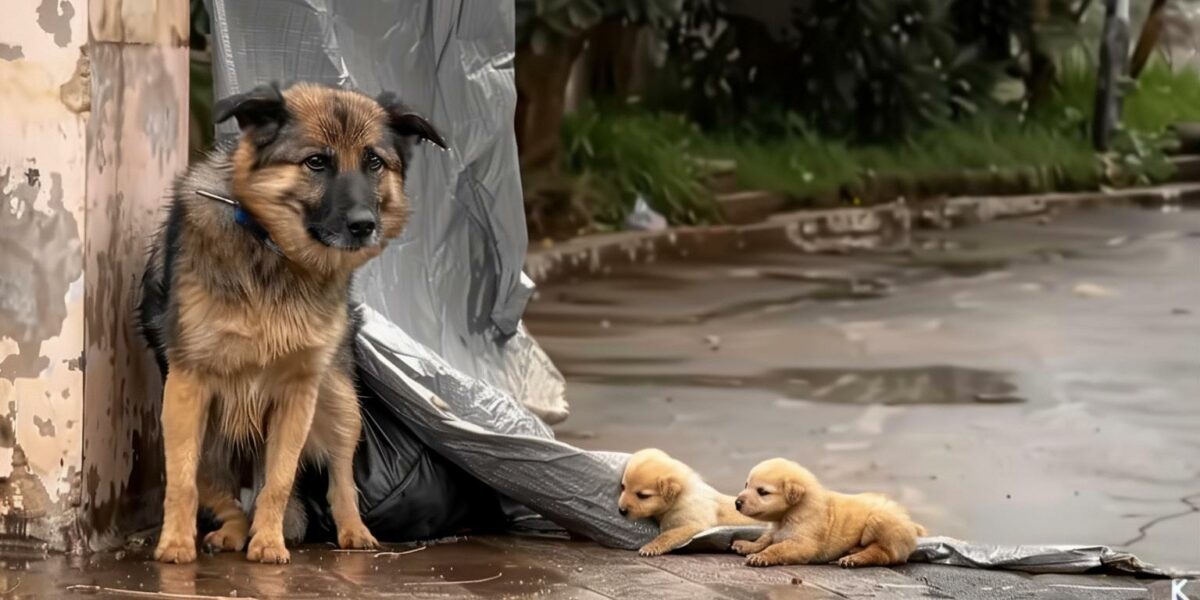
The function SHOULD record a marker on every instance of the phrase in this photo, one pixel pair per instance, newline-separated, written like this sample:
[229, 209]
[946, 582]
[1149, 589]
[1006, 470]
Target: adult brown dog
[656, 486]
[811, 524]
[246, 303]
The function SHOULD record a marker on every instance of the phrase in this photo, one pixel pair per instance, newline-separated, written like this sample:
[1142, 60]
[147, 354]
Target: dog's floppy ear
[792, 491]
[668, 488]
[259, 113]
[407, 125]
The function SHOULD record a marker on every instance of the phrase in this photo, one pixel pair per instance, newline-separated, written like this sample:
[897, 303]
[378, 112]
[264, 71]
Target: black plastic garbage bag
[406, 490]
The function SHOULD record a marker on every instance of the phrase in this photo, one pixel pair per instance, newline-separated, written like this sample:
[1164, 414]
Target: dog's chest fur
[226, 306]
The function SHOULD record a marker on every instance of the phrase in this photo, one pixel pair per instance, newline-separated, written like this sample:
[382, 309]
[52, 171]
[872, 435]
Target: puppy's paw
[654, 549]
[268, 548]
[356, 537]
[229, 538]
[744, 547]
[848, 562]
[174, 548]
[760, 559]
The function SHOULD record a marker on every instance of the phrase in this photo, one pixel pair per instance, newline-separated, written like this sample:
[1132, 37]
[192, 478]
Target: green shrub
[629, 154]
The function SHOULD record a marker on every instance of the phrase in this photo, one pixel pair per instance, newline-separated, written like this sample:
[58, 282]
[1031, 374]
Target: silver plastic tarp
[442, 340]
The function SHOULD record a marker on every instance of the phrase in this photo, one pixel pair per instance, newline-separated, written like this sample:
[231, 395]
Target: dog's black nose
[623, 511]
[361, 226]
[737, 504]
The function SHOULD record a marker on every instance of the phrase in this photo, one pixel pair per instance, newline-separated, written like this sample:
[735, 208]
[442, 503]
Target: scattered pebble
[1092, 290]
[713, 341]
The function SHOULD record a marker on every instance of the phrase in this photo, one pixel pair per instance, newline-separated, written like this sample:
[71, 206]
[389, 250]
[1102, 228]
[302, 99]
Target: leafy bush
[625, 155]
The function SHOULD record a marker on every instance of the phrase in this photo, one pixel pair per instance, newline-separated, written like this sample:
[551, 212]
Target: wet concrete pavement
[1015, 382]
[513, 567]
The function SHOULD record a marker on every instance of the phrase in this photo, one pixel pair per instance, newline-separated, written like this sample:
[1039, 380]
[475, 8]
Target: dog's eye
[373, 161]
[642, 495]
[316, 162]
[762, 491]
[622, 487]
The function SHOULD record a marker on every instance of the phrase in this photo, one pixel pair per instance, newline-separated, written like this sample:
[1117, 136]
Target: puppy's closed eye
[642, 495]
[763, 491]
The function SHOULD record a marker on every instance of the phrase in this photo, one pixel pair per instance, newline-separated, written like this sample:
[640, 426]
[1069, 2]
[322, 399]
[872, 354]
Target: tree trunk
[1114, 48]
[541, 93]
[1148, 40]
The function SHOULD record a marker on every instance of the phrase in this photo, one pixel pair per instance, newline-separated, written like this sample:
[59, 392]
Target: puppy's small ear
[792, 491]
[260, 113]
[668, 488]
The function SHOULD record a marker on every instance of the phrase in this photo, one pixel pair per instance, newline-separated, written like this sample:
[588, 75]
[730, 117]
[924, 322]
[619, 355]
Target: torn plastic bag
[941, 550]
[406, 490]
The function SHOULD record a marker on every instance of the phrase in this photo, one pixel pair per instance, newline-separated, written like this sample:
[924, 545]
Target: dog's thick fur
[811, 524]
[256, 344]
[656, 486]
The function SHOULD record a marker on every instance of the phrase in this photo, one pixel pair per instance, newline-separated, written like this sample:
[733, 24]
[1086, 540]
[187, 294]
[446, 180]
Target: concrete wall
[93, 108]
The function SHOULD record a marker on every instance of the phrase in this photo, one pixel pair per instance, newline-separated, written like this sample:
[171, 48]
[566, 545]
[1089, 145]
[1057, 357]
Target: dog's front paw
[654, 549]
[230, 537]
[849, 562]
[743, 547]
[268, 548]
[760, 559]
[356, 537]
[173, 548]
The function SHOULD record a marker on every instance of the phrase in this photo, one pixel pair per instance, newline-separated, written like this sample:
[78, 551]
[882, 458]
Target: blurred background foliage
[823, 101]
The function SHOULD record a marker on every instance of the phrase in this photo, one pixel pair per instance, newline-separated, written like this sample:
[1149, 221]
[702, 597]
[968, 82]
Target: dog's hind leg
[886, 543]
[184, 419]
[340, 427]
[218, 483]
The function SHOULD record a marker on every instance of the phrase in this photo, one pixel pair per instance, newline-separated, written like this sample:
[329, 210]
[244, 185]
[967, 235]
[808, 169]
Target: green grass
[1159, 97]
[624, 153]
[804, 165]
[629, 154]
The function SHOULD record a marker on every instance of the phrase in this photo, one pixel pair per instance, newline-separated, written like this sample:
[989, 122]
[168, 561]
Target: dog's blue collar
[243, 218]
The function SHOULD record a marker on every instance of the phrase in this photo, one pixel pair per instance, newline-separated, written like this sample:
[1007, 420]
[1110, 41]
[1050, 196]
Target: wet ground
[1016, 382]
[512, 567]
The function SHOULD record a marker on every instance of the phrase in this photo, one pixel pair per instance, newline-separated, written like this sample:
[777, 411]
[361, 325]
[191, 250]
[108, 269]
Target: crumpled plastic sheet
[442, 341]
[943, 550]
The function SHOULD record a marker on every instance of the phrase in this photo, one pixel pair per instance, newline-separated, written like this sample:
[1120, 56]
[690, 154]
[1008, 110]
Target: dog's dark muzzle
[347, 215]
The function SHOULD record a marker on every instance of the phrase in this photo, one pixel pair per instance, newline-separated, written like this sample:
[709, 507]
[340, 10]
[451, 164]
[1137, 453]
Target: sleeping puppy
[811, 524]
[656, 486]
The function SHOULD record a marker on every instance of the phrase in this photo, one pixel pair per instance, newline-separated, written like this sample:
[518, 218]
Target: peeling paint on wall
[45, 426]
[10, 52]
[54, 17]
[76, 93]
[42, 258]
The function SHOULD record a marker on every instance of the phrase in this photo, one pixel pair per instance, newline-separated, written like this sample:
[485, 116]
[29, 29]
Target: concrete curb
[834, 230]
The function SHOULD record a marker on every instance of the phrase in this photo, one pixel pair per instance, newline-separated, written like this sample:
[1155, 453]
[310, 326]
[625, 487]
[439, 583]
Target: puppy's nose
[361, 223]
[737, 504]
[624, 511]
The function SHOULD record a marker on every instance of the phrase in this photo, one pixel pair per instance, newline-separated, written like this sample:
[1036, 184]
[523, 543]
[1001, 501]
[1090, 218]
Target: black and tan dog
[246, 299]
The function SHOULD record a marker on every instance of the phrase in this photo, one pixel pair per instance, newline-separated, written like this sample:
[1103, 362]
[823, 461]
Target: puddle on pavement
[919, 385]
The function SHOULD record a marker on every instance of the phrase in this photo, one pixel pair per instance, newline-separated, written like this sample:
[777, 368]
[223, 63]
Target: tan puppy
[656, 486]
[811, 524]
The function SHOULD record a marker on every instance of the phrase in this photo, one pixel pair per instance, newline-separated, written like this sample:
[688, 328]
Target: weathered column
[93, 109]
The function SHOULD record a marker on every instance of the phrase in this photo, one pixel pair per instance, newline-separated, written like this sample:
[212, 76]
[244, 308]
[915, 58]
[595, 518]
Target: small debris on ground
[1092, 290]
[713, 341]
